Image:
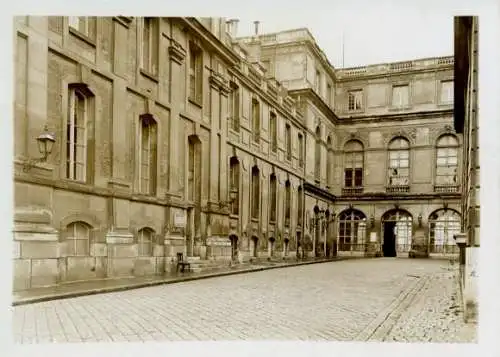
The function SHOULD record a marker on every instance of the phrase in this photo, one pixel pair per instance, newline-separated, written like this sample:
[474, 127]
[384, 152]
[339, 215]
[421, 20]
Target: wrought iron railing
[446, 188]
[398, 189]
[352, 190]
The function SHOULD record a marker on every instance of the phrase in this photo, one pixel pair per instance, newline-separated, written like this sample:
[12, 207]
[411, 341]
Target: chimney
[233, 27]
[256, 23]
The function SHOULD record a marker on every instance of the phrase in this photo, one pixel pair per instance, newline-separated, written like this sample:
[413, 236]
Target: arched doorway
[443, 225]
[254, 247]
[397, 231]
[352, 231]
[234, 247]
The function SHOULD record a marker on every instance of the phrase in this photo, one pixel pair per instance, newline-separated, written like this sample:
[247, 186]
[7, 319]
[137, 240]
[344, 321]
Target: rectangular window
[288, 199]
[329, 94]
[272, 208]
[317, 83]
[446, 92]
[301, 150]
[234, 106]
[400, 96]
[255, 194]
[256, 119]
[288, 139]
[76, 137]
[195, 73]
[355, 100]
[150, 45]
[83, 24]
[234, 186]
[273, 130]
[147, 158]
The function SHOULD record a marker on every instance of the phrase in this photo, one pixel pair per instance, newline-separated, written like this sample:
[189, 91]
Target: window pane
[404, 154]
[82, 247]
[404, 163]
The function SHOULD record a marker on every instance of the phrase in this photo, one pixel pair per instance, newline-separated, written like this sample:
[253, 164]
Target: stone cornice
[210, 40]
[318, 101]
[383, 196]
[375, 118]
[176, 51]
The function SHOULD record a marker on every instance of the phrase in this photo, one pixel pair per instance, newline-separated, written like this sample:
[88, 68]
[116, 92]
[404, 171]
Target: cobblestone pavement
[383, 299]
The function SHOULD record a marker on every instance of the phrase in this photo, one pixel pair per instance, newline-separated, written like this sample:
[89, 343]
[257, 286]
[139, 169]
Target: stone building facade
[466, 122]
[381, 152]
[173, 136]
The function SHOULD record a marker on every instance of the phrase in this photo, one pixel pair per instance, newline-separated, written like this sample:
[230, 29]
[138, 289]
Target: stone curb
[109, 289]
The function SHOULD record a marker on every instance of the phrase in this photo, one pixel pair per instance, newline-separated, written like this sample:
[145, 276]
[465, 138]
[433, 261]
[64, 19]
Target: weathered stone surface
[122, 250]
[44, 272]
[36, 250]
[22, 274]
[120, 267]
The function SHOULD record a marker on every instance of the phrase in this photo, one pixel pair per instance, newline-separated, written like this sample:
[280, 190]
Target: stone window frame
[440, 92]
[273, 197]
[256, 116]
[195, 74]
[149, 47]
[390, 169]
[84, 121]
[234, 185]
[446, 147]
[351, 158]
[255, 192]
[300, 140]
[288, 142]
[72, 239]
[288, 202]
[329, 161]
[401, 84]
[350, 225]
[300, 205]
[352, 95]
[273, 130]
[234, 105]
[147, 159]
[83, 27]
[145, 242]
[317, 154]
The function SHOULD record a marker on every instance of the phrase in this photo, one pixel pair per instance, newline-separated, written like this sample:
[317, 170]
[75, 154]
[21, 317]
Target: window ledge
[233, 131]
[233, 216]
[195, 102]
[355, 111]
[82, 36]
[147, 74]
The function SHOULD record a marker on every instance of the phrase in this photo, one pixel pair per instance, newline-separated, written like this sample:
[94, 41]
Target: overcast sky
[376, 36]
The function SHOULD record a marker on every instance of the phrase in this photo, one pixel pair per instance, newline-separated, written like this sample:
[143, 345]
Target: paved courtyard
[385, 299]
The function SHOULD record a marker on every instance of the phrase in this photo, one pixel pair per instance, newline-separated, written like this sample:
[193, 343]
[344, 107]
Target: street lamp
[45, 143]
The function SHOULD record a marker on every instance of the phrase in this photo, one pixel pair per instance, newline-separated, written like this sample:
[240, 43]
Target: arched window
[273, 198]
[145, 239]
[317, 155]
[352, 230]
[329, 162]
[299, 206]
[288, 198]
[234, 184]
[353, 166]
[443, 225]
[447, 164]
[78, 239]
[147, 155]
[399, 165]
[255, 192]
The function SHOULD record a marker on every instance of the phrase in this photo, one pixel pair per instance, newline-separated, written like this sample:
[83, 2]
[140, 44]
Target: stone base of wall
[469, 281]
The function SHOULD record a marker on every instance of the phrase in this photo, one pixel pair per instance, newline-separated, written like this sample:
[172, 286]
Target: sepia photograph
[237, 179]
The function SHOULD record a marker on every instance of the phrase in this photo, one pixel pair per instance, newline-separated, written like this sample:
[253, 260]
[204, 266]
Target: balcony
[398, 189]
[447, 188]
[350, 191]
